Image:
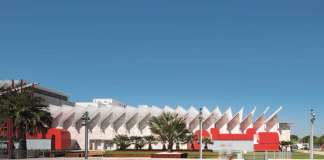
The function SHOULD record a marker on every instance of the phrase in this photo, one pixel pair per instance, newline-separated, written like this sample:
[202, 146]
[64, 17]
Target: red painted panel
[196, 138]
[267, 141]
[62, 138]
[266, 147]
[217, 136]
[268, 137]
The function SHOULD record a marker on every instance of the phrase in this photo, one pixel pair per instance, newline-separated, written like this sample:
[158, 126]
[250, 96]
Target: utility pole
[85, 118]
[312, 120]
[200, 136]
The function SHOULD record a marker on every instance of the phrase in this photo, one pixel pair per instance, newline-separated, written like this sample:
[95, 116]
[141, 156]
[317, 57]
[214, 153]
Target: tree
[285, 144]
[206, 141]
[163, 141]
[189, 138]
[138, 142]
[28, 113]
[317, 141]
[169, 127]
[149, 140]
[294, 138]
[306, 139]
[4, 112]
[321, 142]
[122, 142]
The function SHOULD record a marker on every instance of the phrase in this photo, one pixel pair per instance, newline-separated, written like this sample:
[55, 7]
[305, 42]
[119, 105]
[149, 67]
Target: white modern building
[109, 117]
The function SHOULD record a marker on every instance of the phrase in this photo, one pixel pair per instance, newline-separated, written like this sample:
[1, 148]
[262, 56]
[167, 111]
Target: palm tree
[27, 112]
[3, 113]
[169, 127]
[122, 142]
[207, 141]
[189, 139]
[138, 142]
[149, 139]
[163, 141]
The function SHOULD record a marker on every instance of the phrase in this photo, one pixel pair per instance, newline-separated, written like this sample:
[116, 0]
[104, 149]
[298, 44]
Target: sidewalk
[315, 152]
[116, 158]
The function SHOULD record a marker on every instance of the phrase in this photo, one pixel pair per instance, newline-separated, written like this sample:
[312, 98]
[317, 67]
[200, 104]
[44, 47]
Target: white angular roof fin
[266, 110]
[217, 111]
[253, 111]
[168, 109]
[229, 113]
[205, 110]
[274, 113]
[192, 109]
[179, 110]
[241, 113]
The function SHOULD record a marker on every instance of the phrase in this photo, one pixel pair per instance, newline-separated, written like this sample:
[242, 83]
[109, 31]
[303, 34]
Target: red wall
[62, 137]
[266, 141]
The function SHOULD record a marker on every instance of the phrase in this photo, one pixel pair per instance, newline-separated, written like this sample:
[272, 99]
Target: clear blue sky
[229, 53]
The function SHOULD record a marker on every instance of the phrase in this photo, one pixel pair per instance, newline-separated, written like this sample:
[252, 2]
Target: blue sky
[226, 53]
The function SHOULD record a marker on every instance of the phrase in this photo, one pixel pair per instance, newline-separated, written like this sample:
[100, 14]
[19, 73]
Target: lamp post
[312, 120]
[85, 118]
[200, 134]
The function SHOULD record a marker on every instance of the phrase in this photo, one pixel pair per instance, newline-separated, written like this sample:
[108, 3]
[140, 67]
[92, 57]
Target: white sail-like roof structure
[56, 114]
[260, 120]
[133, 124]
[212, 119]
[119, 118]
[191, 114]
[67, 112]
[195, 122]
[272, 120]
[233, 124]
[131, 115]
[168, 109]
[106, 117]
[143, 123]
[247, 121]
[222, 122]
[180, 111]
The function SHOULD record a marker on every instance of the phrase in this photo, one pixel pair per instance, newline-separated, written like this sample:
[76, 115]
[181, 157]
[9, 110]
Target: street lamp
[85, 118]
[200, 130]
[312, 120]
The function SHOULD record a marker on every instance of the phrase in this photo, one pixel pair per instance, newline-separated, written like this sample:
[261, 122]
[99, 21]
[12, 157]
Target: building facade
[109, 117]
